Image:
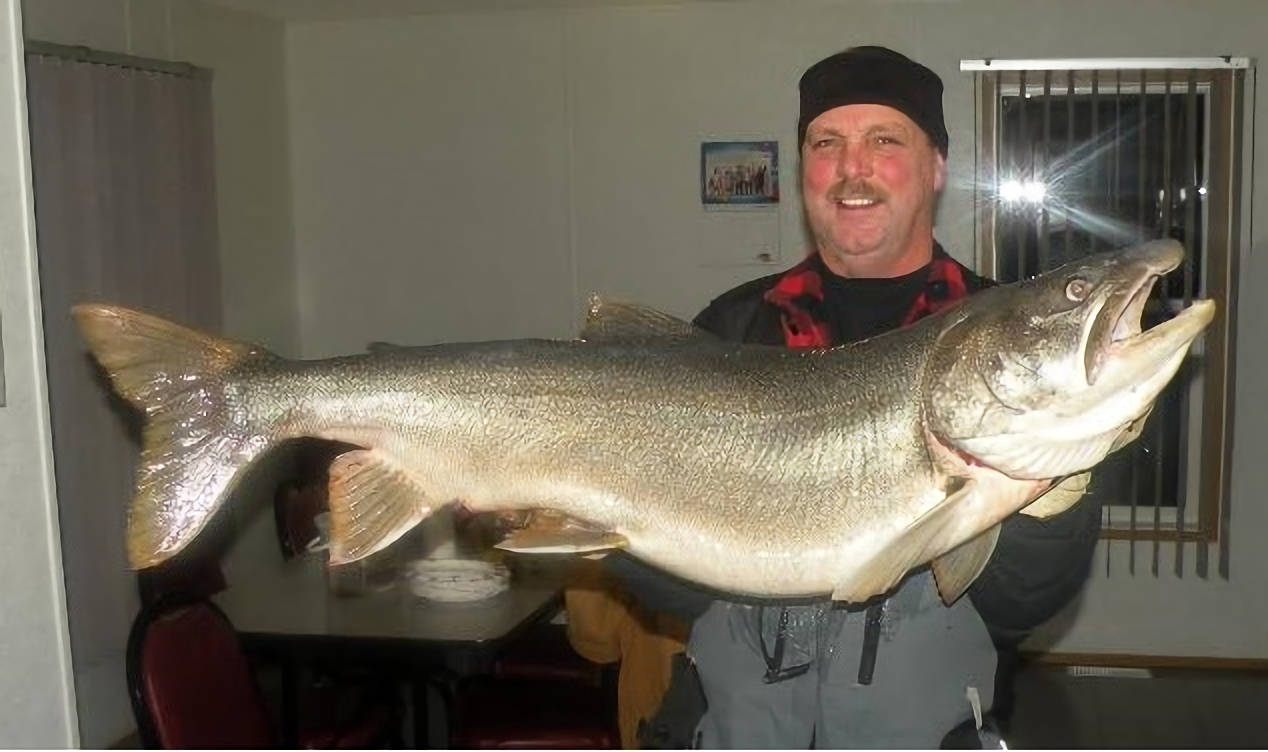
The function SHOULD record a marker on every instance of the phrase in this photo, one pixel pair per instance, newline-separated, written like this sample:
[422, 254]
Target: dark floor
[1169, 710]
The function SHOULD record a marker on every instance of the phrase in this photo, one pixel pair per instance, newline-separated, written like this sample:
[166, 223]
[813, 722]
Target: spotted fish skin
[754, 470]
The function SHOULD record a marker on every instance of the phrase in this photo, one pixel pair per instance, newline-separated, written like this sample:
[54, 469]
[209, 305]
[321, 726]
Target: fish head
[1045, 377]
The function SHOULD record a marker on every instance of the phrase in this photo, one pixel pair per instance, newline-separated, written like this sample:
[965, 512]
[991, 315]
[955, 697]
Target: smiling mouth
[857, 203]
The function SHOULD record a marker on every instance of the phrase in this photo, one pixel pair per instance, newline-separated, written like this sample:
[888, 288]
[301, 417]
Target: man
[897, 672]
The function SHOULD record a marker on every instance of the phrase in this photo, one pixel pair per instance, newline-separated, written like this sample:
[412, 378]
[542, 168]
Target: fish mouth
[1118, 325]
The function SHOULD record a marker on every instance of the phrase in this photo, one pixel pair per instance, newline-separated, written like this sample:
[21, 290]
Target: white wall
[35, 662]
[471, 176]
[397, 224]
[246, 54]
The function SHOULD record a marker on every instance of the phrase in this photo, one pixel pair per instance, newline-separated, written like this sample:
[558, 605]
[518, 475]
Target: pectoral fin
[373, 501]
[955, 570]
[1132, 432]
[1060, 498]
[921, 542]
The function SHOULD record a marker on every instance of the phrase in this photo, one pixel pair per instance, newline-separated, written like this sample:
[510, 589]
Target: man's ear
[939, 171]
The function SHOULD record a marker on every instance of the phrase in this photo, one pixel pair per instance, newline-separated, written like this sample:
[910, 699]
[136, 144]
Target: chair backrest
[304, 493]
[195, 572]
[190, 683]
[295, 509]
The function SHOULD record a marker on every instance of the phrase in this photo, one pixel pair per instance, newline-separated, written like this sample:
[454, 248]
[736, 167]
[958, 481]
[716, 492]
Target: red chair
[542, 694]
[546, 653]
[492, 713]
[304, 494]
[192, 687]
[295, 508]
[194, 572]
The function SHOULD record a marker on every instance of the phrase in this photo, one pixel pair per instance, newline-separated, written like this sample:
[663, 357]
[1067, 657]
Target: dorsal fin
[620, 321]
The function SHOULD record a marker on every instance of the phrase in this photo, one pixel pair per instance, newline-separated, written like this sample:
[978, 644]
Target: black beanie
[874, 75]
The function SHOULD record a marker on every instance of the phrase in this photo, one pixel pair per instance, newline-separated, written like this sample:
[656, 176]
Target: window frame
[1228, 83]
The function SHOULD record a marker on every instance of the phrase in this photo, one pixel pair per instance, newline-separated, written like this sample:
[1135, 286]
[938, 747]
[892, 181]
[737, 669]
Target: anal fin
[955, 570]
[373, 502]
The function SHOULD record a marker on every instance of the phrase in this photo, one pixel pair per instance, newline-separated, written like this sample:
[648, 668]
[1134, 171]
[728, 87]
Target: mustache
[846, 191]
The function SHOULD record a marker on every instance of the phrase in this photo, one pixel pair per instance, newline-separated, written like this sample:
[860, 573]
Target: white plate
[456, 580]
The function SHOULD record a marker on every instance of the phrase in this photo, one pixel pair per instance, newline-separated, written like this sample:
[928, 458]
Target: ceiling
[333, 10]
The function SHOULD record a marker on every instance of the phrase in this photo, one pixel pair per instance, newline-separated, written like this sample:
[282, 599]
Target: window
[1076, 157]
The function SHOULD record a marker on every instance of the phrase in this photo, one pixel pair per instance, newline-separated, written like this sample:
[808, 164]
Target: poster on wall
[739, 173]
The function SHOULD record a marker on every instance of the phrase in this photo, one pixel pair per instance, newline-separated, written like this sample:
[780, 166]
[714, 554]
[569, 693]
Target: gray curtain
[122, 162]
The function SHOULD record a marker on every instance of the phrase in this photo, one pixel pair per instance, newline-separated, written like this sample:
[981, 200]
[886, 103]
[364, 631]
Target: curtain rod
[88, 55]
[1110, 63]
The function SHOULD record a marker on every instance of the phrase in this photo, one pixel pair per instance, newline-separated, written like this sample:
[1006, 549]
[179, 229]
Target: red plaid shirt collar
[802, 285]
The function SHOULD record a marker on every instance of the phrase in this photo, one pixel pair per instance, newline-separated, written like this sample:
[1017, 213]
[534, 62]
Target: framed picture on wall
[739, 173]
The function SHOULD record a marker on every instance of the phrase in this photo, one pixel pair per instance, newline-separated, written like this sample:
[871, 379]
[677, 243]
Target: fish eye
[1078, 289]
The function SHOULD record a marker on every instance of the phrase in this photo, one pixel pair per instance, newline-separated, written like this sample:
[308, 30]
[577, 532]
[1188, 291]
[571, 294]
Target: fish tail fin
[191, 450]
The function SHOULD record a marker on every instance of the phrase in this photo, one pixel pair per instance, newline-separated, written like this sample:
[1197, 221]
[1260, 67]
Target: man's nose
[855, 161]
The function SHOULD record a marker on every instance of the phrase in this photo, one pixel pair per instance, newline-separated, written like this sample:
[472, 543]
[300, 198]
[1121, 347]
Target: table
[294, 600]
[290, 614]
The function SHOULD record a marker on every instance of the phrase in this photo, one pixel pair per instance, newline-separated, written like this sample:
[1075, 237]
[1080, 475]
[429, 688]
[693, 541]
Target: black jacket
[1038, 565]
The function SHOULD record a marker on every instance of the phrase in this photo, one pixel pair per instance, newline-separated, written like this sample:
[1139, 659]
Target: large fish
[755, 470]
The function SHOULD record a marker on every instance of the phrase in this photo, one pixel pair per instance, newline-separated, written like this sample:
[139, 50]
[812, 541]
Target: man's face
[869, 180]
